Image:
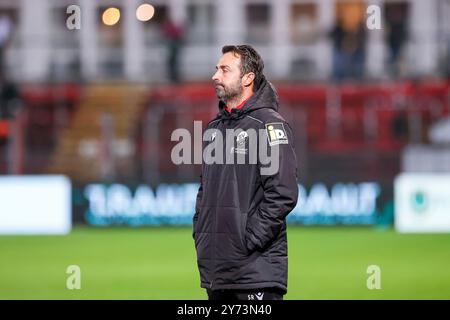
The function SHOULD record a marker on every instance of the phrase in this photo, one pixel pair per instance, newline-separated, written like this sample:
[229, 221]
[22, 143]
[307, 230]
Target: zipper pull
[210, 286]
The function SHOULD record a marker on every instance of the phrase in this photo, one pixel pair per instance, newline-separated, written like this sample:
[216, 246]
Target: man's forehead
[229, 59]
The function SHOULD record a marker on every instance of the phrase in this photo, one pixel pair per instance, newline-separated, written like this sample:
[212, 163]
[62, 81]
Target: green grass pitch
[159, 263]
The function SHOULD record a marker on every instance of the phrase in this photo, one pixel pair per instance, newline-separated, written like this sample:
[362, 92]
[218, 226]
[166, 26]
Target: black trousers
[247, 294]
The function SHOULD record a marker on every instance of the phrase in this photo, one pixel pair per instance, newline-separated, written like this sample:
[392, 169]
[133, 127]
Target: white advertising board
[422, 202]
[38, 204]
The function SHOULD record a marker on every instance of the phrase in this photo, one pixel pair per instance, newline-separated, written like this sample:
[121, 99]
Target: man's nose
[215, 76]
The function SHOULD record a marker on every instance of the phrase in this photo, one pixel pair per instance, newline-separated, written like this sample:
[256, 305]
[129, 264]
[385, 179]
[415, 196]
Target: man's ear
[248, 79]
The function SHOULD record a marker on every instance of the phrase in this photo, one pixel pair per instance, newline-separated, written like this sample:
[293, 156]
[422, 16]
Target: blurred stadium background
[90, 92]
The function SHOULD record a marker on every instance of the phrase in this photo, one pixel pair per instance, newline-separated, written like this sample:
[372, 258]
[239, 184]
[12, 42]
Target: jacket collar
[264, 97]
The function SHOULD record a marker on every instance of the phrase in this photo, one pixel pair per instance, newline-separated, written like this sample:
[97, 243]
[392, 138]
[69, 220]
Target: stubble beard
[232, 93]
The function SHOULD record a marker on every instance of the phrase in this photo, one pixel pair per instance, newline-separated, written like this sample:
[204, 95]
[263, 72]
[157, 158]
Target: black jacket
[239, 226]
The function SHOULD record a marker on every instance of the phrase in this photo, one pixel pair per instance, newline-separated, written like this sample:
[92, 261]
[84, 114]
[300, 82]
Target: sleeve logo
[276, 133]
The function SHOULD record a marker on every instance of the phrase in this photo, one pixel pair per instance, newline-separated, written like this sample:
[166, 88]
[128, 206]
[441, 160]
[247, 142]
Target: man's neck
[233, 103]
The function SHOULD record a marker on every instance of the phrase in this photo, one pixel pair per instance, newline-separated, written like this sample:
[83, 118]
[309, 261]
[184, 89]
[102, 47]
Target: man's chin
[220, 94]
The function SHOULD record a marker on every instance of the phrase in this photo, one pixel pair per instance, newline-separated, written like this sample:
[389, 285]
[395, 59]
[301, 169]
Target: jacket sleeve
[280, 196]
[197, 206]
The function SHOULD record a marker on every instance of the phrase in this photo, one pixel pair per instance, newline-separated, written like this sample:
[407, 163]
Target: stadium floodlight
[111, 16]
[145, 12]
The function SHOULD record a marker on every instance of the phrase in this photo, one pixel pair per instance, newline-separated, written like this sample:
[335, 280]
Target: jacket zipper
[221, 128]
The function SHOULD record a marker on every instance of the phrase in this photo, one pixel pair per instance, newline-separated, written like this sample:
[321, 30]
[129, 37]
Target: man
[174, 34]
[239, 224]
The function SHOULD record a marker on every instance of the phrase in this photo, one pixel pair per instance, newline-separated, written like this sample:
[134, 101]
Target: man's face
[227, 79]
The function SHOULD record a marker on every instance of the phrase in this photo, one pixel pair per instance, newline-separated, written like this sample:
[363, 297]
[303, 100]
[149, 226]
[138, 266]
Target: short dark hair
[250, 61]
